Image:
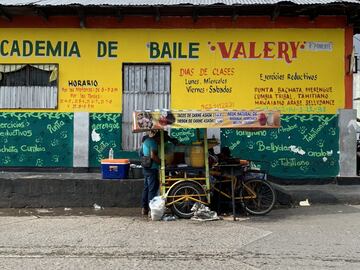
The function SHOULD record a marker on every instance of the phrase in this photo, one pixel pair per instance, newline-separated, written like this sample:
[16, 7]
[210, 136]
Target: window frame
[49, 102]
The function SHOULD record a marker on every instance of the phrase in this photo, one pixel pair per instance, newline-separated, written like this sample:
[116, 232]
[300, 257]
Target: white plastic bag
[157, 207]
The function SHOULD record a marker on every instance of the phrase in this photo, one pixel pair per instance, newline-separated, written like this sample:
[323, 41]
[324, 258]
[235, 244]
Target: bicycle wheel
[187, 193]
[258, 196]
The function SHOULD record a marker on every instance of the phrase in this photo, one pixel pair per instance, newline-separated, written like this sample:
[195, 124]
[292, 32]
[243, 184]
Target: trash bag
[203, 213]
[157, 207]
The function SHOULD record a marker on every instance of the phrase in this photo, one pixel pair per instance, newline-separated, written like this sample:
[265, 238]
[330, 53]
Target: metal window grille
[28, 86]
[145, 87]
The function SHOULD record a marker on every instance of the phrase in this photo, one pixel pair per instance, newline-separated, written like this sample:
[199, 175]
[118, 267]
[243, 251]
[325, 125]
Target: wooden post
[162, 165]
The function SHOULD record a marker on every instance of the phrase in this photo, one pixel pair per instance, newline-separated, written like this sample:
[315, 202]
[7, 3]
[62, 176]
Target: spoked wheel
[258, 196]
[184, 195]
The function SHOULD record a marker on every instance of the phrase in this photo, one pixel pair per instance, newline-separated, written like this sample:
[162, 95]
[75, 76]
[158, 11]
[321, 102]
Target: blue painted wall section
[305, 146]
[36, 139]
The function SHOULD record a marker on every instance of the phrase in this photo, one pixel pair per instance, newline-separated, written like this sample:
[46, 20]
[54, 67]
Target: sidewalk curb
[317, 194]
[84, 189]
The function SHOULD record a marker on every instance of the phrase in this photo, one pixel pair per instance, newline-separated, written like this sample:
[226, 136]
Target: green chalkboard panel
[305, 146]
[186, 136]
[36, 139]
[105, 131]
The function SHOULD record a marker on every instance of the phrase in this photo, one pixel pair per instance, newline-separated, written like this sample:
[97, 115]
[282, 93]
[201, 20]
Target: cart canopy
[163, 119]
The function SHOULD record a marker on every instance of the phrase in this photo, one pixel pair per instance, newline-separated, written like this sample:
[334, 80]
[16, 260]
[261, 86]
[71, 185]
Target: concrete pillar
[81, 140]
[347, 137]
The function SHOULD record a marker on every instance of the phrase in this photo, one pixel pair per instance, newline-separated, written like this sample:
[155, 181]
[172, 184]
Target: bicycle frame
[246, 169]
[242, 186]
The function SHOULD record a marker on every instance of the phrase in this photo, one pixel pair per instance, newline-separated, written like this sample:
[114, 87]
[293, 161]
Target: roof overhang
[312, 9]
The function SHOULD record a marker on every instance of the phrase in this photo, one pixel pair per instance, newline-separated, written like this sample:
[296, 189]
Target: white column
[347, 136]
[81, 139]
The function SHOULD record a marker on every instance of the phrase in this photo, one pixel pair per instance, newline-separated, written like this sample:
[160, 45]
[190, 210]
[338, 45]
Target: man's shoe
[144, 211]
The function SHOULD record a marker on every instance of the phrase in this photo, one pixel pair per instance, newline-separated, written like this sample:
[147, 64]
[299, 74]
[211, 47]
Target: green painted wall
[105, 133]
[108, 128]
[36, 139]
[186, 136]
[305, 146]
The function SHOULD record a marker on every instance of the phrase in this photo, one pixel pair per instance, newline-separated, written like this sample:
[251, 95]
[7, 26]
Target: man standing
[151, 181]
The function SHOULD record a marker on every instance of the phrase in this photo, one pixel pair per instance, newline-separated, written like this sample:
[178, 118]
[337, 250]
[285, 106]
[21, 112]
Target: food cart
[185, 184]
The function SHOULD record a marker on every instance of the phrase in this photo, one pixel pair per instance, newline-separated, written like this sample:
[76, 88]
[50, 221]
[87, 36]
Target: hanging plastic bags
[157, 207]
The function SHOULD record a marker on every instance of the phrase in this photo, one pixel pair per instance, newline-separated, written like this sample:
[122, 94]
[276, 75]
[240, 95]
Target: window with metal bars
[145, 87]
[28, 86]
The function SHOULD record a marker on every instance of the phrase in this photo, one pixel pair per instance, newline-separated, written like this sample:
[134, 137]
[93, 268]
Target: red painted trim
[348, 75]
[175, 22]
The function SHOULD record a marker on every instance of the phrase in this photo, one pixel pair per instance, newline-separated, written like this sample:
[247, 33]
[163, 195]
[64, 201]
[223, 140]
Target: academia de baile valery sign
[297, 71]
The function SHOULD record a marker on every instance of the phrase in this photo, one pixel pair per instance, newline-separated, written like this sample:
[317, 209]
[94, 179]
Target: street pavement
[318, 236]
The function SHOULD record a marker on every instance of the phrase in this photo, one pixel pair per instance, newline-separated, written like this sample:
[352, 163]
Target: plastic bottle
[111, 153]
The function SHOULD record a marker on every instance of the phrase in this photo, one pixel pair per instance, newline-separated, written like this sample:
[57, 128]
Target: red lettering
[268, 49]
[240, 50]
[252, 50]
[225, 53]
[294, 47]
[186, 71]
[283, 51]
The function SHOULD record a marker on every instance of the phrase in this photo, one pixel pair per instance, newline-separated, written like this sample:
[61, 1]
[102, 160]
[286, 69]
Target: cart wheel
[185, 190]
[264, 200]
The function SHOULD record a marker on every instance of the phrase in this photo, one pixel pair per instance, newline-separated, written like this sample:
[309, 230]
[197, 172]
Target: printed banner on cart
[146, 120]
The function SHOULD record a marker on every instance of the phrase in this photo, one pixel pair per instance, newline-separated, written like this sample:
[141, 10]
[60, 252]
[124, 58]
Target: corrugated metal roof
[165, 2]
